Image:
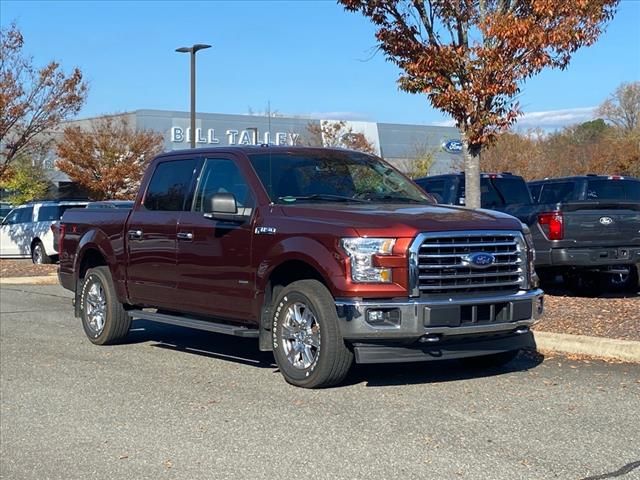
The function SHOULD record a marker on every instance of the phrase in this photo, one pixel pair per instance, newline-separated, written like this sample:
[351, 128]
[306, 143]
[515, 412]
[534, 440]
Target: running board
[195, 323]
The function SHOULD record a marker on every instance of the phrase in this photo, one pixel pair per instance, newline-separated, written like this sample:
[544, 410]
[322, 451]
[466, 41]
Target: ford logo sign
[452, 146]
[479, 260]
[606, 220]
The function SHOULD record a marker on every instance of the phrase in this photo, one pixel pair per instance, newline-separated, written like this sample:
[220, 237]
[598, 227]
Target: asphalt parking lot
[176, 403]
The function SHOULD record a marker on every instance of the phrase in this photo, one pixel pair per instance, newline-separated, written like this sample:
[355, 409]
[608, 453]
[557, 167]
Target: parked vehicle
[586, 229]
[585, 188]
[26, 230]
[593, 224]
[323, 255]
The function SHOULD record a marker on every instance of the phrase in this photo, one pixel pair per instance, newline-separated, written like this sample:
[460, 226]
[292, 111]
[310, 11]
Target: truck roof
[246, 149]
[583, 177]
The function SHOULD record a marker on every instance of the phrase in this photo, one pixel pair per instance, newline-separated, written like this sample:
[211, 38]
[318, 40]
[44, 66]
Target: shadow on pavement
[245, 351]
[198, 342]
[383, 375]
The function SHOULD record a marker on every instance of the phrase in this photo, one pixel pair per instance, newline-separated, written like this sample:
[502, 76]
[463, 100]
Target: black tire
[39, 254]
[621, 283]
[315, 355]
[493, 360]
[104, 319]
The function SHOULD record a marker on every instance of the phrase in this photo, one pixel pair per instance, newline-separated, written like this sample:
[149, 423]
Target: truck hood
[403, 218]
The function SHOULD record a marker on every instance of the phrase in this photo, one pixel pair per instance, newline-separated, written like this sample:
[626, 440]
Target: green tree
[25, 181]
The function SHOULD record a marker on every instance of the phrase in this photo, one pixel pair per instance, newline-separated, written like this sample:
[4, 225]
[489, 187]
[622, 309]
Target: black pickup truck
[585, 228]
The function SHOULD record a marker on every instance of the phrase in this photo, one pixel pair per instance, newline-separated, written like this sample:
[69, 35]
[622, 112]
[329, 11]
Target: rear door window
[557, 192]
[170, 185]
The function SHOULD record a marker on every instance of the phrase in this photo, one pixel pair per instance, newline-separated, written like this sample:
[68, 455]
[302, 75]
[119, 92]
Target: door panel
[214, 257]
[215, 274]
[151, 234]
[151, 271]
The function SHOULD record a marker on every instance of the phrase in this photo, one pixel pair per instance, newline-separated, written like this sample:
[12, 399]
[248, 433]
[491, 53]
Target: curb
[40, 280]
[607, 348]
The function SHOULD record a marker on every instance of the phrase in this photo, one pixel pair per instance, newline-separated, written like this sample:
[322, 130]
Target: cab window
[169, 185]
[221, 175]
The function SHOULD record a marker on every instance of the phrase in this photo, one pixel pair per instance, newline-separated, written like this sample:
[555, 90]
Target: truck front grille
[450, 262]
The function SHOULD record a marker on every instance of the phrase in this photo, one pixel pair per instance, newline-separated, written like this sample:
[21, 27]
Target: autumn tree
[470, 57]
[590, 147]
[109, 157]
[622, 108]
[338, 134]
[32, 100]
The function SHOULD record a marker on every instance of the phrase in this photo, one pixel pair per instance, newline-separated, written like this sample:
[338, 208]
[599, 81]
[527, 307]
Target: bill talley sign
[249, 136]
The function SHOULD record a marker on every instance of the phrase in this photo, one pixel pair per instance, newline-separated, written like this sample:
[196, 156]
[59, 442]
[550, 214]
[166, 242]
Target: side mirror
[224, 203]
[223, 207]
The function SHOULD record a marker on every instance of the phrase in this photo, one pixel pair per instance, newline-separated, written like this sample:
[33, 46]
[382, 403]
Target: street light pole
[192, 50]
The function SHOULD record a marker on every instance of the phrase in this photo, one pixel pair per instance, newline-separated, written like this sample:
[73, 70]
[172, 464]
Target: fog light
[383, 317]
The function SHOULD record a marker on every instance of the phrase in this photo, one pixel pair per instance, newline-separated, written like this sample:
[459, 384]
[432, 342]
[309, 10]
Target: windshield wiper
[322, 197]
[393, 198]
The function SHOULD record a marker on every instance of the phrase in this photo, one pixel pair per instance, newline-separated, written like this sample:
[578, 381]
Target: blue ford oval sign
[452, 146]
[479, 260]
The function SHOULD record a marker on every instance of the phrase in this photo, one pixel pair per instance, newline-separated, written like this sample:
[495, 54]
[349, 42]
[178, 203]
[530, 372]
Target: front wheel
[104, 319]
[307, 343]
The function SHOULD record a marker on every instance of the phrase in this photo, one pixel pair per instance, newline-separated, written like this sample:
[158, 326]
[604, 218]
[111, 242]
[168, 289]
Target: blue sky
[304, 57]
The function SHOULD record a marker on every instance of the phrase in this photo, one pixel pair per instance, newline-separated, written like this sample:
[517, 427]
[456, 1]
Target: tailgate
[598, 223]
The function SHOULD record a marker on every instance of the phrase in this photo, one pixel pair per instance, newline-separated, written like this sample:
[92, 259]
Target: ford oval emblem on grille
[606, 220]
[479, 260]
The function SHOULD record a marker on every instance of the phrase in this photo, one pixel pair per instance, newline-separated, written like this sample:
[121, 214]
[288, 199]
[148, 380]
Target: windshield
[330, 176]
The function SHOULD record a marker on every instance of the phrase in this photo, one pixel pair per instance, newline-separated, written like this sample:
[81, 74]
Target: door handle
[185, 236]
[135, 234]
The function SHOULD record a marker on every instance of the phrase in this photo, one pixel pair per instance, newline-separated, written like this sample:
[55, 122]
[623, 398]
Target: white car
[26, 230]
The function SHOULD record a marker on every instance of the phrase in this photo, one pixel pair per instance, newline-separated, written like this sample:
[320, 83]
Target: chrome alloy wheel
[96, 308]
[300, 336]
[38, 255]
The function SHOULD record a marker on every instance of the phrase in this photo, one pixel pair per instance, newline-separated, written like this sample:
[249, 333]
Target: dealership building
[396, 143]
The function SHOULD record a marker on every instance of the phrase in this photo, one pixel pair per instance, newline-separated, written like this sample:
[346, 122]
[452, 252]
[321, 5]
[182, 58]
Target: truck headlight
[361, 251]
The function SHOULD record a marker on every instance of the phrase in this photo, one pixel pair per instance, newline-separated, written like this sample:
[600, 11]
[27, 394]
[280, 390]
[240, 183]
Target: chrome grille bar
[440, 262]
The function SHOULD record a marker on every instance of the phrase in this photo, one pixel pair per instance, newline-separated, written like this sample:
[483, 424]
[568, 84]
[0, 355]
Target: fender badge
[265, 231]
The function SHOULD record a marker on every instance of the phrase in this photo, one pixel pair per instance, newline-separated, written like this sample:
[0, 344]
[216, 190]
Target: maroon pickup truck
[322, 255]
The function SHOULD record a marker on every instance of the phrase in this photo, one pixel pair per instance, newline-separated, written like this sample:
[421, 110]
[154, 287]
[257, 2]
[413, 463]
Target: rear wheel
[307, 343]
[39, 255]
[104, 319]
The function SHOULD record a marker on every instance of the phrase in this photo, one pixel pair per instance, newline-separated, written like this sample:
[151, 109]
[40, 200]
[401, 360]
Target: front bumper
[442, 328]
[441, 318]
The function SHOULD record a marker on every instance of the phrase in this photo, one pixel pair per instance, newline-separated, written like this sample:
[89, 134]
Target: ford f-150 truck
[323, 255]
